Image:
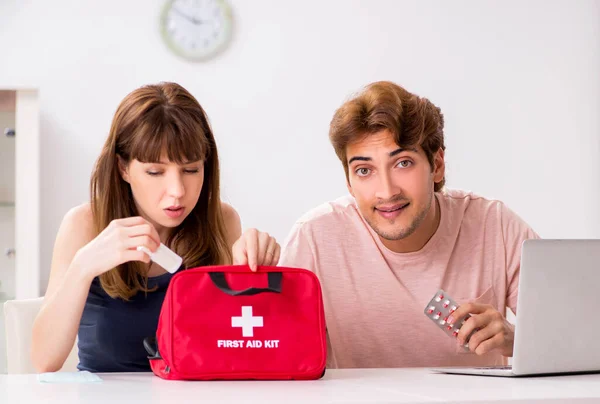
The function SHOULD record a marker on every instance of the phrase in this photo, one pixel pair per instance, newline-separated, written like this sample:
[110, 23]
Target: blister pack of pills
[440, 308]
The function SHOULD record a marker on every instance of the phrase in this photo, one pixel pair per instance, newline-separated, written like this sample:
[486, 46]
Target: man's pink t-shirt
[374, 298]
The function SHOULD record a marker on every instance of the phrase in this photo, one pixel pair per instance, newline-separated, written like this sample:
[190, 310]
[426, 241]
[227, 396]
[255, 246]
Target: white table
[338, 386]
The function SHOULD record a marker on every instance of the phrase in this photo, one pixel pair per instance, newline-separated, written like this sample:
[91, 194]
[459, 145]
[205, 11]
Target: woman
[156, 181]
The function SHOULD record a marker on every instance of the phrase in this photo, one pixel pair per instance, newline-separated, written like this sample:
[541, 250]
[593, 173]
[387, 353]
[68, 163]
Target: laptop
[558, 311]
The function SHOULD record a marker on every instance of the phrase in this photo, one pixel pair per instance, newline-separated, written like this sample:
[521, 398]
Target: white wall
[519, 84]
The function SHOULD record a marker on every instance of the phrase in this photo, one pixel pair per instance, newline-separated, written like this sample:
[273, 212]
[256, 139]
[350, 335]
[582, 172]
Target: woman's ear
[123, 168]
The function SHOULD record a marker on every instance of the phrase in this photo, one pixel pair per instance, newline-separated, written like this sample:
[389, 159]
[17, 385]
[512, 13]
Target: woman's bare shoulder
[229, 213]
[233, 225]
[80, 221]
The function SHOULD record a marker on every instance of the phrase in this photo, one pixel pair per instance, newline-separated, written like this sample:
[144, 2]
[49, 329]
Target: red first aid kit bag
[228, 323]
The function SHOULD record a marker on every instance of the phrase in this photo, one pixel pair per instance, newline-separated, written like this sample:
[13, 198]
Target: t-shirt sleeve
[298, 252]
[515, 232]
[298, 249]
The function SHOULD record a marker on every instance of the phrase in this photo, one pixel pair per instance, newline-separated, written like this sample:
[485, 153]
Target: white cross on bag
[247, 322]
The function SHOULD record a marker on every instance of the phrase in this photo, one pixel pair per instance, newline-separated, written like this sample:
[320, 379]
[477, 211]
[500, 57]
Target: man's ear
[439, 166]
[123, 168]
[349, 188]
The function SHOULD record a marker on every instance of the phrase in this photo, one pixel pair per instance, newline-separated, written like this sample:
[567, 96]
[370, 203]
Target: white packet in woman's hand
[164, 257]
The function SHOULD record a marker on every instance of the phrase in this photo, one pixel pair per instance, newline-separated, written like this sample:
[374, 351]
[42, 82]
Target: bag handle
[151, 348]
[220, 282]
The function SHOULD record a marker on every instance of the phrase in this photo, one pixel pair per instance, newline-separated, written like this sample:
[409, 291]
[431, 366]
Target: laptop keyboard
[495, 367]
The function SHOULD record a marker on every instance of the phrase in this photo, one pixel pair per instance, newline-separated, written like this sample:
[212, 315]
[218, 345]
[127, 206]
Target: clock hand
[187, 17]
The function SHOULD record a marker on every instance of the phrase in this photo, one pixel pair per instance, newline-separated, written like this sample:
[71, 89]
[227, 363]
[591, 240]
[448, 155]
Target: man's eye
[405, 163]
[153, 173]
[361, 172]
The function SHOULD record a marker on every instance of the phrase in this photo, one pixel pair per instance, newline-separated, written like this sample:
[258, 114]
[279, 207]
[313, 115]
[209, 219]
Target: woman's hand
[255, 248]
[116, 245]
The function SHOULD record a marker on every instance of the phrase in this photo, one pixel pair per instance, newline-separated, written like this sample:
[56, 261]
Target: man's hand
[492, 331]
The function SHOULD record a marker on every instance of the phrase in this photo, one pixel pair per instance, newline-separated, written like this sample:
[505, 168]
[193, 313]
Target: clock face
[196, 29]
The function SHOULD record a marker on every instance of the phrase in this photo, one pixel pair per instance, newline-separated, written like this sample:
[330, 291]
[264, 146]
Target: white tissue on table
[68, 377]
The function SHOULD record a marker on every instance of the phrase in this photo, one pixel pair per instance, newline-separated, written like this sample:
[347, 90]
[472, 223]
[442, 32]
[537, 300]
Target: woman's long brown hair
[149, 121]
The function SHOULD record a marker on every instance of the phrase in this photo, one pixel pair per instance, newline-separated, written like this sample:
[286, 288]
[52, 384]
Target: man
[382, 253]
